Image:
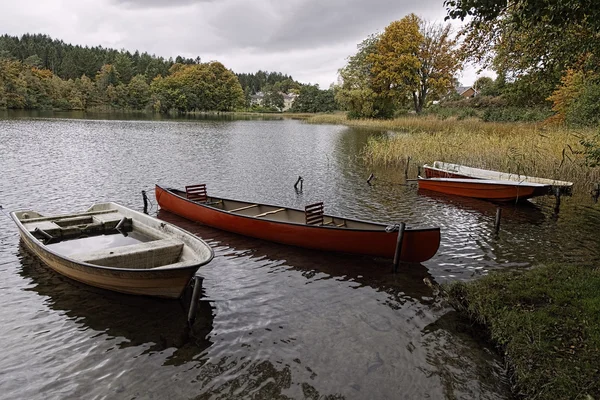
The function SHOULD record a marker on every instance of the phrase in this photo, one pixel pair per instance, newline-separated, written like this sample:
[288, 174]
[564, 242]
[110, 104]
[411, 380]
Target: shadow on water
[138, 319]
[366, 271]
[522, 212]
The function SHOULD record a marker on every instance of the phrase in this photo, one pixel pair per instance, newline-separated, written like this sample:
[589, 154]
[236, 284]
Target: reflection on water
[275, 321]
[135, 320]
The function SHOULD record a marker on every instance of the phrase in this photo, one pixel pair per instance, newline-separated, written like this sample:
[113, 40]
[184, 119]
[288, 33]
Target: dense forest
[38, 72]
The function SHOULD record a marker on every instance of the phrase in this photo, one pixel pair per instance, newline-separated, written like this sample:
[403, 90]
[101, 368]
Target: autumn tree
[414, 59]
[355, 92]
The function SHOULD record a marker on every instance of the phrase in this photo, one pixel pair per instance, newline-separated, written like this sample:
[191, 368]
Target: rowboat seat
[139, 256]
[270, 212]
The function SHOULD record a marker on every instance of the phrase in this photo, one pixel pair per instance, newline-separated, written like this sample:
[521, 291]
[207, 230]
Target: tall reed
[531, 149]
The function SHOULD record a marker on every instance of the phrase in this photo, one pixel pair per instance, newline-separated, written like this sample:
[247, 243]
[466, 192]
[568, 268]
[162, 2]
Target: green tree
[138, 93]
[124, 67]
[272, 98]
[355, 92]
[313, 100]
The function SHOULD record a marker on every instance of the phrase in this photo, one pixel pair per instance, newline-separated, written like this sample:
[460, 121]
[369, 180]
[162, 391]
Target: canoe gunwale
[380, 226]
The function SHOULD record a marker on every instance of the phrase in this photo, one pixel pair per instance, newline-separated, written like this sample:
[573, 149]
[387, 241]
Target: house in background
[466, 91]
[288, 99]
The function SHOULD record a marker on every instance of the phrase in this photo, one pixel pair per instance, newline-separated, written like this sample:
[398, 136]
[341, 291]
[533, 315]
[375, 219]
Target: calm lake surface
[275, 322]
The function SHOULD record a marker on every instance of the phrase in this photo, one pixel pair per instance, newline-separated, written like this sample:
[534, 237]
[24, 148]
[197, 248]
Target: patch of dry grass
[531, 149]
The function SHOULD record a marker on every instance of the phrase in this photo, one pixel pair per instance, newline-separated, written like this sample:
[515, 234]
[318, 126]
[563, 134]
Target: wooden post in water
[399, 240]
[596, 193]
[145, 201]
[371, 177]
[299, 181]
[497, 222]
[406, 167]
[557, 203]
[197, 282]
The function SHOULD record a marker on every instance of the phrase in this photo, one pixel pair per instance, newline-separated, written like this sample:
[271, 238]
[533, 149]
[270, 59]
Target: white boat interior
[494, 175]
[110, 235]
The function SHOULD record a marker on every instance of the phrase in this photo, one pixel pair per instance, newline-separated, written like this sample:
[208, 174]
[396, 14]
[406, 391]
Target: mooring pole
[406, 168]
[497, 222]
[596, 193]
[299, 181]
[418, 171]
[371, 177]
[145, 197]
[398, 252]
[197, 282]
[557, 203]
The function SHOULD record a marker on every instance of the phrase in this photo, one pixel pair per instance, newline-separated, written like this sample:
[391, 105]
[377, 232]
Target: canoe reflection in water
[139, 319]
[365, 270]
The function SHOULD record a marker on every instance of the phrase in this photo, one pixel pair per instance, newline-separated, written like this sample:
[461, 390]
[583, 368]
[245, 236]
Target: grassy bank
[524, 148]
[546, 323]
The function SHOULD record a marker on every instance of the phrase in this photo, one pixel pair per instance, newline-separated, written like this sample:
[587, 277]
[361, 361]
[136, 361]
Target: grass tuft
[546, 322]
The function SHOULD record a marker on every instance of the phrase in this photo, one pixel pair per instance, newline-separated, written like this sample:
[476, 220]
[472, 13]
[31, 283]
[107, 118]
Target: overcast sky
[307, 39]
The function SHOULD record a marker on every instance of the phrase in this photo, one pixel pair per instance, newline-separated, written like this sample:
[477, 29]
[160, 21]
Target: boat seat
[196, 193]
[270, 212]
[314, 214]
[138, 256]
[243, 208]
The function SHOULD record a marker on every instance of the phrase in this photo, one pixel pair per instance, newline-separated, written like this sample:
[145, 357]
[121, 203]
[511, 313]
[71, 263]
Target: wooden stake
[195, 299]
[497, 222]
[145, 201]
[399, 240]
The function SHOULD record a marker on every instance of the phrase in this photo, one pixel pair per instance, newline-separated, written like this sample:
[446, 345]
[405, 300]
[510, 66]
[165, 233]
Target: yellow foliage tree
[572, 83]
[414, 59]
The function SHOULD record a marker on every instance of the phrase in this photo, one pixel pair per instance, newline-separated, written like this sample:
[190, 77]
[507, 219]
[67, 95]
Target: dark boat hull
[418, 244]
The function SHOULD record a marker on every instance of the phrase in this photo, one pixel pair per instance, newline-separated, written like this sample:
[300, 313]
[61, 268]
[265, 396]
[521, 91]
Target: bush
[584, 109]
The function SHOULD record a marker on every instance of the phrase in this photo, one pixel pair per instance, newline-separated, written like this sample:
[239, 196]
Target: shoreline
[545, 322]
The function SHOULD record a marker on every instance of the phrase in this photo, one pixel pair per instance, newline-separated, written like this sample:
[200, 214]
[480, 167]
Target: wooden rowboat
[441, 169]
[112, 247]
[310, 228]
[485, 188]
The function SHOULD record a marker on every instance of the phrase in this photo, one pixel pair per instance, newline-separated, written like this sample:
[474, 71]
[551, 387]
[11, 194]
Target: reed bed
[525, 148]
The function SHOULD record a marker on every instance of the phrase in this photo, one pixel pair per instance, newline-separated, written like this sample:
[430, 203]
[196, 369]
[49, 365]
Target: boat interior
[496, 175]
[108, 238]
[312, 215]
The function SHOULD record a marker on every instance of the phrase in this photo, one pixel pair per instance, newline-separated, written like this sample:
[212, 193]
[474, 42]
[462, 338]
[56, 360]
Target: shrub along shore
[525, 148]
[545, 321]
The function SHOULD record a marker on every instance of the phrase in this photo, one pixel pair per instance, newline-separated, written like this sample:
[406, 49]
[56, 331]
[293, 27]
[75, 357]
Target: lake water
[274, 321]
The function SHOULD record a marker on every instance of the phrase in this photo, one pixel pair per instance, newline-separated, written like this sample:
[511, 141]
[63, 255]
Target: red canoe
[485, 188]
[309, 228]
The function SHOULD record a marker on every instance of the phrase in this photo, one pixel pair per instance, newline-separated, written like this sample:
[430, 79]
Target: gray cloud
[308, 39]
[147, 4]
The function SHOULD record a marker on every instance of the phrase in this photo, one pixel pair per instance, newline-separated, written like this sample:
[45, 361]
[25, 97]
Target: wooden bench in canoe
[112, 247]
[310, 228]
